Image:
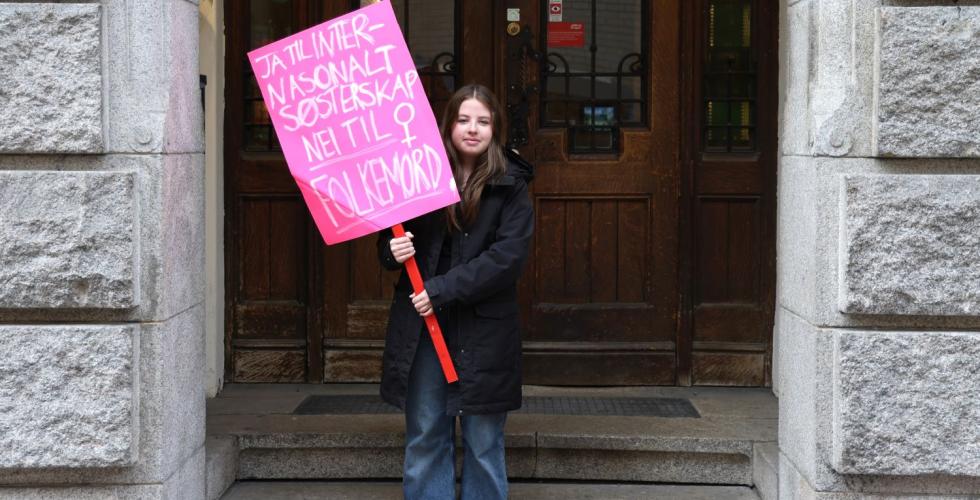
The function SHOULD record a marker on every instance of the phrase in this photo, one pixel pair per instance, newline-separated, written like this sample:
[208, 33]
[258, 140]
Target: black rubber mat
[625, 407]
[343, 405]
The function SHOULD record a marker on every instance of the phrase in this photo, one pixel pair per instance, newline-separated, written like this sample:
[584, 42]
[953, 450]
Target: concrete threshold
[374, 490]
[716, 449]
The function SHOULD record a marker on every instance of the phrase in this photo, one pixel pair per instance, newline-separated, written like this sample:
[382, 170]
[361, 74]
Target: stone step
[537, 447]
[765, 470]
[220, 464]
[374, 490]
[716, 449]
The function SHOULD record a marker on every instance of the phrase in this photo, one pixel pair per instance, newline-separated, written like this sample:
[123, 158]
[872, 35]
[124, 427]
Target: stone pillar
[101, 251]
[877, 342]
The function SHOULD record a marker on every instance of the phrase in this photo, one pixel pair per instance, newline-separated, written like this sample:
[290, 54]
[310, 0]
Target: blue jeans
[430, 450]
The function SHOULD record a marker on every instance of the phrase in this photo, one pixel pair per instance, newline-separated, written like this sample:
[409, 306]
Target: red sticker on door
[566, 35]
[554, 10]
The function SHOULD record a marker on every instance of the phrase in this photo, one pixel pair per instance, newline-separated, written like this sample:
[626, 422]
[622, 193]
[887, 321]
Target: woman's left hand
[422, 303]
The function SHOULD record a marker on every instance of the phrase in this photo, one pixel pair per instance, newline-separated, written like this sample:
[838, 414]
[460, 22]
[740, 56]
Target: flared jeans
[430, 448]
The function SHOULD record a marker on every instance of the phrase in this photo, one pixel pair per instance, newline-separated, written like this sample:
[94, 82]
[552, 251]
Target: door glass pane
[595, 70]
[555, 113]
[618, 88]
[729, 77]
[571, 49]
[580, 87]
[429, 27]
[631, 112]
[269, 20]
[257, 138]
[619, 32]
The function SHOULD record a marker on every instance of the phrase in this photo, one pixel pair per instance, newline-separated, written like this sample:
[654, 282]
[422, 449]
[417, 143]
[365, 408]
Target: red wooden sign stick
[430, 321]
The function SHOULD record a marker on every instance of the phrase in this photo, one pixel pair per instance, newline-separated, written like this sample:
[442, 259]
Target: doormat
[537, 405]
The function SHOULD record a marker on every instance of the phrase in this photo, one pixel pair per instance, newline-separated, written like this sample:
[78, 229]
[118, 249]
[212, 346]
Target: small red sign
[554, 10]
[566, 35]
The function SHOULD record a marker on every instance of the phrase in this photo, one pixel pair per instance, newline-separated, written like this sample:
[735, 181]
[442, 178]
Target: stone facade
[928, 88]
[52, 78]
[69, 240]
[70, 396]
[101, 251]
[909, 245]
[877, 319]
[904, 404]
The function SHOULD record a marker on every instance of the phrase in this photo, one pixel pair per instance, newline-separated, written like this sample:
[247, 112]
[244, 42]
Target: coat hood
[518, 167]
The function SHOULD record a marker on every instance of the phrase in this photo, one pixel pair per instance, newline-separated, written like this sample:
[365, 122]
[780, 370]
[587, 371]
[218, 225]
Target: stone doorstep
[765, 470]
[519, 490]
[330, 447]
[720, 448]
[221, 464]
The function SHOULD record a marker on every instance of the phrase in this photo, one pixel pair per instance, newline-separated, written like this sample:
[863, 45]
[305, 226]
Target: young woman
[471, 256]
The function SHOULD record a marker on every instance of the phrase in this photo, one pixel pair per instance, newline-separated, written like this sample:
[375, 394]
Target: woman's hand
[402, 248]
[422, 303]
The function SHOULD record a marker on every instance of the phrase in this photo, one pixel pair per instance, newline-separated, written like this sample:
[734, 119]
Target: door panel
[601, 301]
[592, 273]
[270, 241]
[358, 291]
[357, 296]
[732, 191]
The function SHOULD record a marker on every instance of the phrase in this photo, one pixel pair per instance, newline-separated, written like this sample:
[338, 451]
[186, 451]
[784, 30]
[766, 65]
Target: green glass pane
[716, 139]
[729, 35]
[729, 77]
[730, 23]
[270, 20]
[715, 87]
[255, 112]
[257, 137]
[743, 139]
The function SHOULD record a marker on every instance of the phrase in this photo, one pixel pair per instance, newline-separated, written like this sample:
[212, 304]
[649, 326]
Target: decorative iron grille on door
[268, 21]
[595, 78]
[730, 70]
[430, 28]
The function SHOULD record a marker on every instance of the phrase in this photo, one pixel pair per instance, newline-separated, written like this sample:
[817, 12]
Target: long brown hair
[489, 166]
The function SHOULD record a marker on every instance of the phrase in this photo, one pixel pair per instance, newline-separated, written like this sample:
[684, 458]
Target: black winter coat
[481, 284]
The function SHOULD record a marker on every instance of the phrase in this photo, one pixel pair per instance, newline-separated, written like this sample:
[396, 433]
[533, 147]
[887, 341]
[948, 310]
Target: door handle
[520, 88]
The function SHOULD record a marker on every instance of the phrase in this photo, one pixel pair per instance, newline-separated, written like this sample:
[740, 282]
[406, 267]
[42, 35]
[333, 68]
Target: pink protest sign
[354, 123]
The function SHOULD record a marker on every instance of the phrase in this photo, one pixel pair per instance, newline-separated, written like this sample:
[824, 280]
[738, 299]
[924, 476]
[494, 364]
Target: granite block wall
[878, 320]
[101, 250]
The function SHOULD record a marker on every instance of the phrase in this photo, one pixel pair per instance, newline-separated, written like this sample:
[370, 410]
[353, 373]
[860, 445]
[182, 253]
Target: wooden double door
[652, 260]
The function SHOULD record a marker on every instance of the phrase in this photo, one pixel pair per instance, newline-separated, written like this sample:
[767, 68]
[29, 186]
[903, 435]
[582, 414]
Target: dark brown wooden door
[451, 42]
[601, 292]
[272, 250]
[297, 310]
[618, 287]
[731, 188]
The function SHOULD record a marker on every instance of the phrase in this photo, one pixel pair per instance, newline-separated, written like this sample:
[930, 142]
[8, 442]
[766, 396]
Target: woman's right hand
[402, 248]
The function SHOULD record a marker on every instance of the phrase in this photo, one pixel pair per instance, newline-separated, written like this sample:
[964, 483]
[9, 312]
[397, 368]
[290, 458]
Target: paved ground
[266, 490]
